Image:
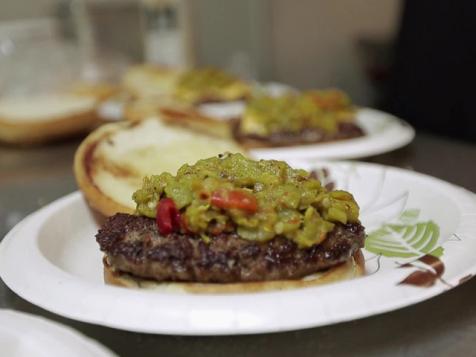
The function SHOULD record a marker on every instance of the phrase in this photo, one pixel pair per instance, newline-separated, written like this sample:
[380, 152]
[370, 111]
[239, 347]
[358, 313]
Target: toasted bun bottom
[101, 204]
[353, 268]
[31, 132]
[111, 162]
[191, 119]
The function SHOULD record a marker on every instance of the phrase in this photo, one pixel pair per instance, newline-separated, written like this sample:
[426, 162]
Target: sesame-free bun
[42, 118]
[194, 120]
[148, 81]
[153, 88]
[101, 90]
[112, 161]
[353, 268]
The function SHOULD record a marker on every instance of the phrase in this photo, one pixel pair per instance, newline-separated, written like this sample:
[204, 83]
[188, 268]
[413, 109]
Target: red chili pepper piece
[218, 199]
[168, 216]
[328, 101]
[184, 224]
[235, 199]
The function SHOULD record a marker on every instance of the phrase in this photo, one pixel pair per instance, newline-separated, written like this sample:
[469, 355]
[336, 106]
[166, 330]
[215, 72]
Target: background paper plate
[421, 242]
[384, 133]
[113, 109]
[24, 335]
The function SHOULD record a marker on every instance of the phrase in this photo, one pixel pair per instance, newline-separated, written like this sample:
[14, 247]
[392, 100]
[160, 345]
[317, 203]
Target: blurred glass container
[34, 59]
[101, 32]
[167, 32]
[55, 54]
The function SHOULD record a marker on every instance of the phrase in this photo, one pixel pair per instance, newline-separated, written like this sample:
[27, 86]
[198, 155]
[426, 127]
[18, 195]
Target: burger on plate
[293, 119]
[231, 224]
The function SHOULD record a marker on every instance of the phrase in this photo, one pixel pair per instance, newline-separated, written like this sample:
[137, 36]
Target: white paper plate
[384, 133]
[25, 335]
[406, 215]
[113, 109]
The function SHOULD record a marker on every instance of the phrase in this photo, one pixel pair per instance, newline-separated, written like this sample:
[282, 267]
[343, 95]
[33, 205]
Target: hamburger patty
[305, 136]
[133, 245]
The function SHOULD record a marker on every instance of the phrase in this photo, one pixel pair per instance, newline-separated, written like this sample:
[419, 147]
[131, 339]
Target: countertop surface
[442, 326]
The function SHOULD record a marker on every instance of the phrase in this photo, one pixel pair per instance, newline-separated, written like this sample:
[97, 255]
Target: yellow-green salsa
[209, 84]
[258, 200]
[291, 113]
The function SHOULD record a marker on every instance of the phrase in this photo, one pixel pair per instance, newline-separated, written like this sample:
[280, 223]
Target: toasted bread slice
[144, 108]
[186, 116]
[42, 118]
[147, 81]
[190, 87]
[101, 90]
[195, 121]
[112, 161]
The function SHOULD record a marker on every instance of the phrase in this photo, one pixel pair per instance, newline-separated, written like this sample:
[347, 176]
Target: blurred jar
[34, 59]
[71, 47]
[99, 30]
[167, 33]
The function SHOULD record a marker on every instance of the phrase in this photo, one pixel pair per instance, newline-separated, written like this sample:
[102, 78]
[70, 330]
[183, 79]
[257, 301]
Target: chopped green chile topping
[205, 78]
[291, 113]
[258, 200]
[209, 82]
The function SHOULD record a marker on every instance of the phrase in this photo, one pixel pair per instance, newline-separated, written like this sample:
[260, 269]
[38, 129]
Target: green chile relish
[257, 200]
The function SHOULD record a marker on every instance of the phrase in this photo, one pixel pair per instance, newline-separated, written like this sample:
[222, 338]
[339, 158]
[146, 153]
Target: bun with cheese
[111, 162]
[43, 118]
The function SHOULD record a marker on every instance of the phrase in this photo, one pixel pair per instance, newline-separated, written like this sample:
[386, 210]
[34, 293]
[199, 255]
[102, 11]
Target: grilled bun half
[194, 120]
[147, 81]
[43, 118]
[352, 268]
[111, 162]
[153, 88]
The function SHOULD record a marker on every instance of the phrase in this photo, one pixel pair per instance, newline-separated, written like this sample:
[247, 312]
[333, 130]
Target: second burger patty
[133, 245]
[305, 136]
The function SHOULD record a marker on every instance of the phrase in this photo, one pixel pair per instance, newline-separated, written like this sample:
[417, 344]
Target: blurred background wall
[13, 10]
[320, 42]
[304, 43]
[235, 35]
[412, 58]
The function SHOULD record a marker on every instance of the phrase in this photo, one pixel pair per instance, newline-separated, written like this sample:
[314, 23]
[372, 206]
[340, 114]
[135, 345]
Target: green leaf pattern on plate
[406, 238]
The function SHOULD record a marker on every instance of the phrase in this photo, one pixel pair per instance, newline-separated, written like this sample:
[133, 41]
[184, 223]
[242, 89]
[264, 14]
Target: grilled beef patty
[133, 245]
[305, 136]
